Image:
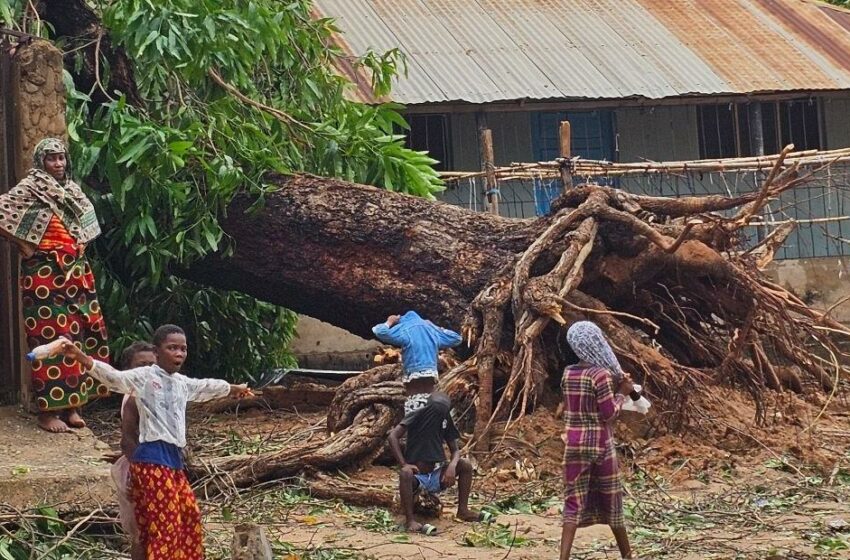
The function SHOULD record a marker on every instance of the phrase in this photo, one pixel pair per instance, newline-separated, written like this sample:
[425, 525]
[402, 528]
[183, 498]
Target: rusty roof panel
[481, 51]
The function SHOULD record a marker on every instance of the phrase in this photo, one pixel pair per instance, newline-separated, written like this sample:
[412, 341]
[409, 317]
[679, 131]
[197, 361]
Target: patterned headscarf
[50, 146]
[589, 344]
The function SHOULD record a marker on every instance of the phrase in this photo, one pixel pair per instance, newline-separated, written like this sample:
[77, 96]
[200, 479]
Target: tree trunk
[352, 254]
[665, 289]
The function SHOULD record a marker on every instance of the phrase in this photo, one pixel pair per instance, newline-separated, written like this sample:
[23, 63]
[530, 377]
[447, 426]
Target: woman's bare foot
[52, 423]
[74, 418]
[413, 527]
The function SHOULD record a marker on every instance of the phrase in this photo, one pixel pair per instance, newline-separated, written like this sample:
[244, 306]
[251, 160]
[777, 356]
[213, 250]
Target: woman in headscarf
[593, 492]
[51, 221]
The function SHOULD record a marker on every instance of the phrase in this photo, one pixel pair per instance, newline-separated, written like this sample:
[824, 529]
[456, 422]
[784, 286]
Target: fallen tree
[684, 307]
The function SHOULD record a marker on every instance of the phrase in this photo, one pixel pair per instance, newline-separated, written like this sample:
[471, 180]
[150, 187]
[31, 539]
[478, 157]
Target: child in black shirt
[423, 465]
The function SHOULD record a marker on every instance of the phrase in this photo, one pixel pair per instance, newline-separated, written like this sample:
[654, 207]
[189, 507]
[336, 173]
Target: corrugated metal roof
[481, 51]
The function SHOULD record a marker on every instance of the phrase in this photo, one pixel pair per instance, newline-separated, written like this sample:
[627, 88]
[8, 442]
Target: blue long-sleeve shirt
[420, 341]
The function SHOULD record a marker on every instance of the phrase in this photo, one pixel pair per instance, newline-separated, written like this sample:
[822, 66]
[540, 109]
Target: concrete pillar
[39, 102]
[33, 107]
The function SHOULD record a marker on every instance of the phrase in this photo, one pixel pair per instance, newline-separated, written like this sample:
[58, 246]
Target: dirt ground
[41, 468]
[728, 491]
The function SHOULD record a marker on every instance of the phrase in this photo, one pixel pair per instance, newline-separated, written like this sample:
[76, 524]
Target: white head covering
[589, 344]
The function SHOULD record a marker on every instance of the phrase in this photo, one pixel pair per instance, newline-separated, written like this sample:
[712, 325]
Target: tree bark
[76, 22]
[352, 254]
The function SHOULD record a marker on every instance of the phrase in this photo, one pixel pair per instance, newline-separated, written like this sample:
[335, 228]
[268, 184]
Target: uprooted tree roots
[684, 306]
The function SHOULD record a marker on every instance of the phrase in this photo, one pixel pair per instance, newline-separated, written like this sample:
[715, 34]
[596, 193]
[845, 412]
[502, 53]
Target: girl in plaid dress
[592, 491]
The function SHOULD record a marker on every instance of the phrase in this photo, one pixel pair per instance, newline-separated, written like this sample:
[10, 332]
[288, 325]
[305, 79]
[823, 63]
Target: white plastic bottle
[46, 350]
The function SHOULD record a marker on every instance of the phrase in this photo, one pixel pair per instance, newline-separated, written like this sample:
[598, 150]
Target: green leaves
[494, 535]
[162, 174]
[41, 533]
[383, 68]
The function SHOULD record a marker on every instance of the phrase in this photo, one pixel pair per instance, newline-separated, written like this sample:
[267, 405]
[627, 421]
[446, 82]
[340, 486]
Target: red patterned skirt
[59, 299]
[166, 512]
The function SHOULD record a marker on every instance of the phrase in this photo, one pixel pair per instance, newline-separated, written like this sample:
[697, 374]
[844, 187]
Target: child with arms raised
[420, 342]
[167, 514]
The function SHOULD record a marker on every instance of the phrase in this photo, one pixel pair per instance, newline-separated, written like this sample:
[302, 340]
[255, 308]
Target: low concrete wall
[63, 470]
[820, 283]
[321, 345]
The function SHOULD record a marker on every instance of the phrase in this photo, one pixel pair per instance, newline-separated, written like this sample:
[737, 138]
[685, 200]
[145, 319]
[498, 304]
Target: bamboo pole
[566, 155]
[591, 168]
[488, 165]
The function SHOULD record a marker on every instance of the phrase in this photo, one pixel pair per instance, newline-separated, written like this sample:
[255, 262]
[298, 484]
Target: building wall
[464, 134]
[660, 133]
[511, 143]
[836, 120]
[320, 345]
[657, 133]
[821, 282]
[511, 139]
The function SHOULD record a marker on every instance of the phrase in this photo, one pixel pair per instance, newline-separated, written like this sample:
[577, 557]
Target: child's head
[170, 346]
[138, 354]
[588, 342]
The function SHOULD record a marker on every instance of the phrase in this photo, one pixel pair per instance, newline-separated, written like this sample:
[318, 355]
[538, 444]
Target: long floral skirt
[167, 514]
[59, 299]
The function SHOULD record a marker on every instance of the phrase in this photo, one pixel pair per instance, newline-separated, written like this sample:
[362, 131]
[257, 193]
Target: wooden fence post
[566, 153]
[488, 165]
[10, 366]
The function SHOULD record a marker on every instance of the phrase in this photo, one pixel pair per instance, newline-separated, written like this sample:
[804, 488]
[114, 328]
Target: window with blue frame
[592, 137]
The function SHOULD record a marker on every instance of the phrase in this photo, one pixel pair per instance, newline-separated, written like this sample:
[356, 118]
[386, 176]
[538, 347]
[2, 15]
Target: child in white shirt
[167, 513]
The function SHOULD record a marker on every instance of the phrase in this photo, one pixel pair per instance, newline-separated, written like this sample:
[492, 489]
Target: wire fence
[821, 206]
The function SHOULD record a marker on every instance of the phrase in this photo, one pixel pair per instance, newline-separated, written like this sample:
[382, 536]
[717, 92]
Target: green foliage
[515, 504]
[289, 551]
[232, 90]
[494, 535]
[378, 520]
[828, 543]
[42, 534]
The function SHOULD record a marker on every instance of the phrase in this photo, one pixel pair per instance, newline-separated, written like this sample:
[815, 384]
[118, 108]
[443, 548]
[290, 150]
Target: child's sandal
[486, 517]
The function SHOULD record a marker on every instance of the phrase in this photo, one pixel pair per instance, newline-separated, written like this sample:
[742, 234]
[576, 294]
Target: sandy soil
[734, 491]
